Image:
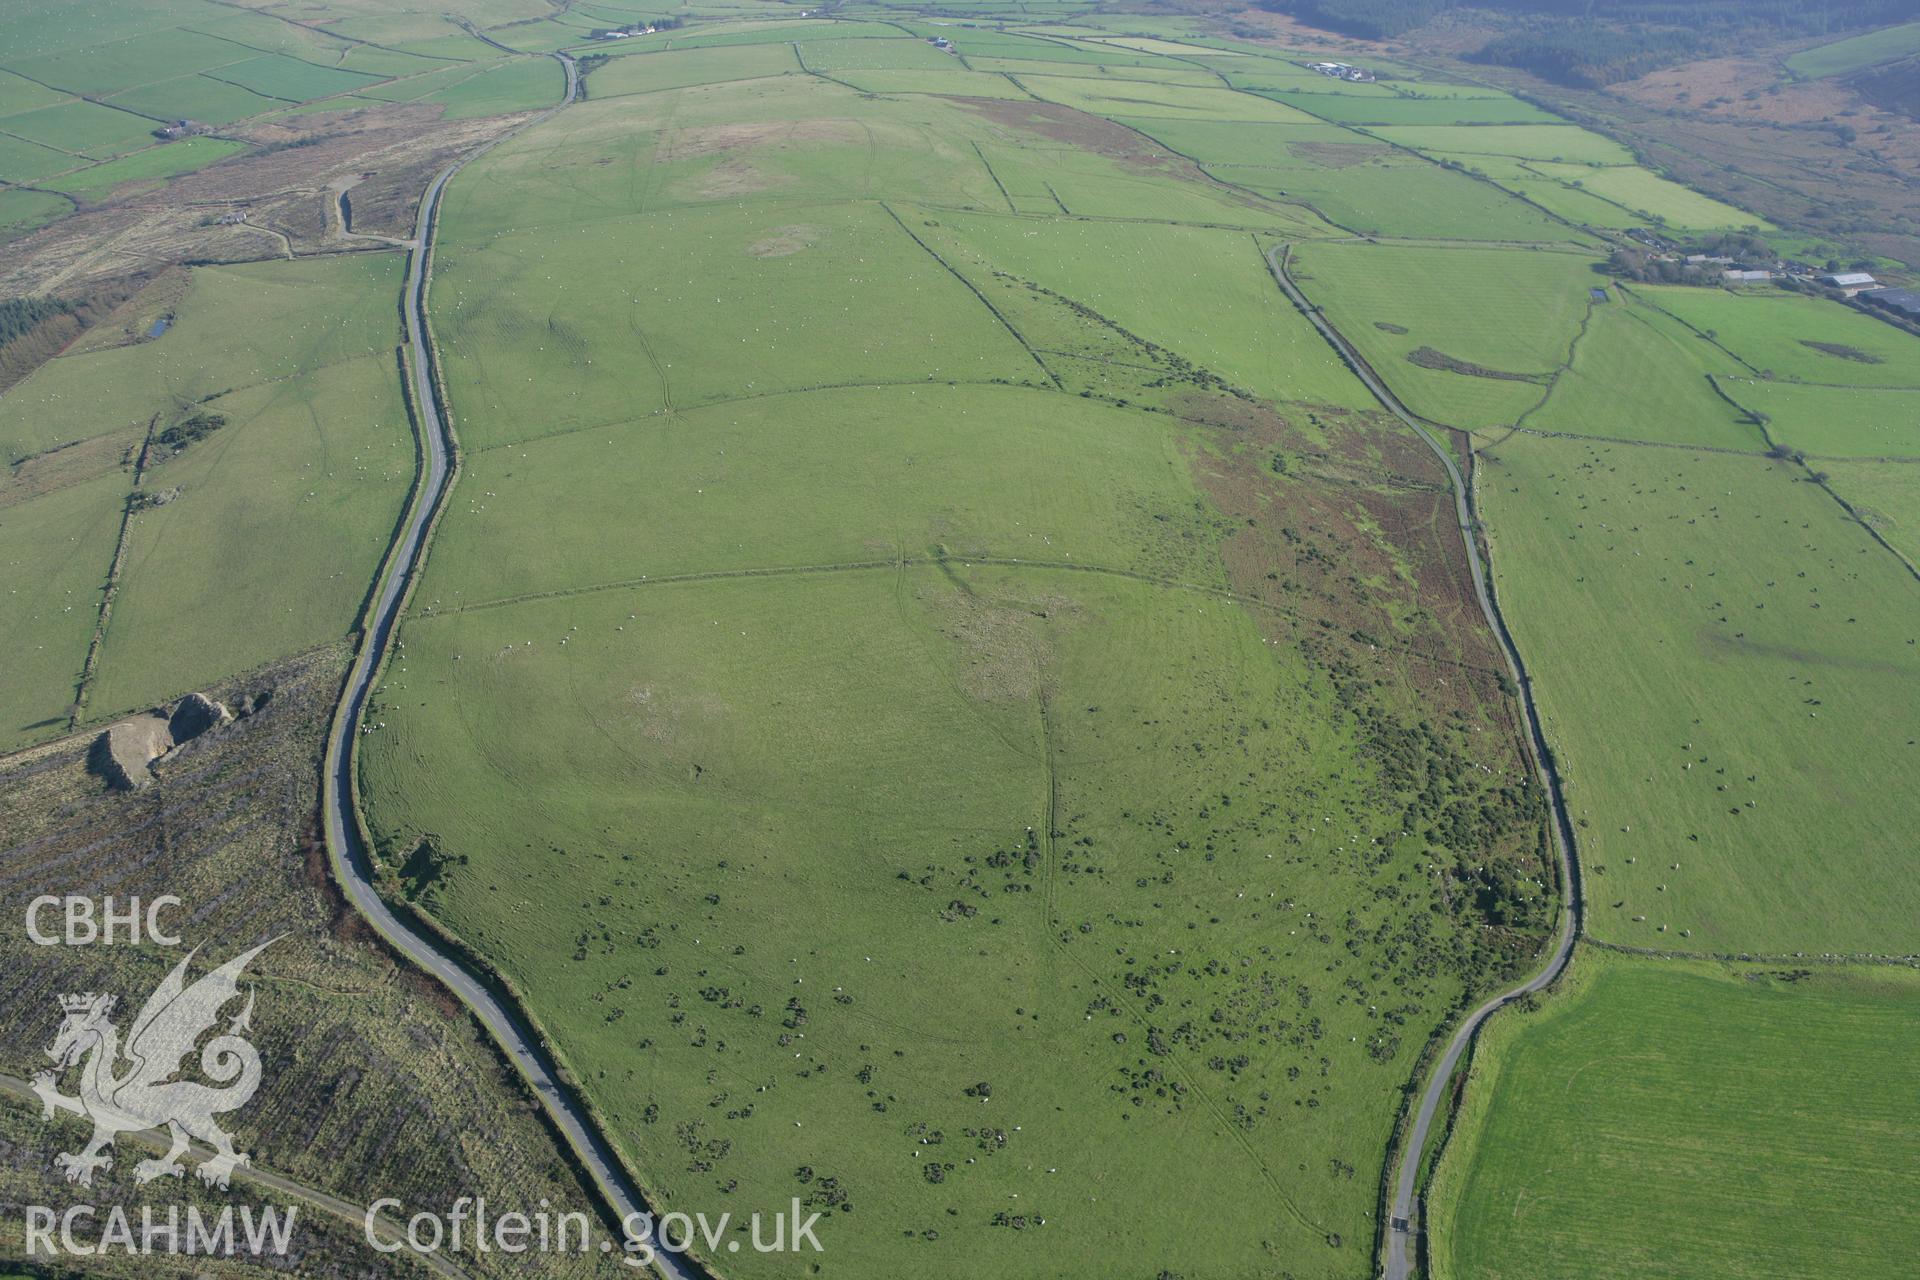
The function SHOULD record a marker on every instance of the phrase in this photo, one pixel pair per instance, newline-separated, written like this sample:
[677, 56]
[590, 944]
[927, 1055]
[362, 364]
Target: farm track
[266, 1179]
[1404, 1179]
[489, 1000]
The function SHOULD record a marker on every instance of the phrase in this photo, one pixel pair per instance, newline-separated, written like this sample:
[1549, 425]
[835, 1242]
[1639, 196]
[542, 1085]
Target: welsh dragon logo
[140, 1095]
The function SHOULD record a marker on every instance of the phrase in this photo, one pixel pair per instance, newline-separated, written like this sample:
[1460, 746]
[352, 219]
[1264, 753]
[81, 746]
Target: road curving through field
[348, 855]
[1404, 1179]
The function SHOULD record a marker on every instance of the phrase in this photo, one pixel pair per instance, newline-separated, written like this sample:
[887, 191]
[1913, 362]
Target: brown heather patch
[1347, 541]
[1086, 133]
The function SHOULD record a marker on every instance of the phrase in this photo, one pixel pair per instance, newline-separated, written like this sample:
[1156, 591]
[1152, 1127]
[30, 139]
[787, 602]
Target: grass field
[932, 664]
[1637, 375]
[651, 72]
[1140, 98]
[1669, 1119]
[1394, 194]
[1852, 54]
[868, 306]
[966, 468]
[196, 97]
[1887, 498]
[1562, 142]
[1491, 311]
[238, 326]
[1733, 754]
[941, 671]
[1834, 422]
[1357, 109]
[22, 211]
[83, 128]
[493, 88]
[1797, 338]
[1202, 292]
[1353, 180]
[54, 551]
[308, 476]
[88, 82]
[170, 160]
[267, 527]
[1575, 204]
[1659, 200]
[25, 162]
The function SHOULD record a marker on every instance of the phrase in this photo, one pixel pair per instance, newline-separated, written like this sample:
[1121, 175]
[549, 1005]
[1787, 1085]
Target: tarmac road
[348, 854]
[1399, 1261]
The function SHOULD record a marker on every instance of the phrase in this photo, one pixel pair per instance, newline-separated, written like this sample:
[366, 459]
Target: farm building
[1342, 71]
[1902, 302]
[1850, 282]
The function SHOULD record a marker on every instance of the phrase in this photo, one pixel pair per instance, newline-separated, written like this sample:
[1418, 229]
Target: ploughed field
[934, 683]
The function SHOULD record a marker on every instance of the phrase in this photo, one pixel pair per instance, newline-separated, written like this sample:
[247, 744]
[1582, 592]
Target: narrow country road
[1399, 1260]
[352, 865]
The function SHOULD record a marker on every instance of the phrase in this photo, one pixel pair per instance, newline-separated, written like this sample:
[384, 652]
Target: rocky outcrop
[125, 752]
[195, 714]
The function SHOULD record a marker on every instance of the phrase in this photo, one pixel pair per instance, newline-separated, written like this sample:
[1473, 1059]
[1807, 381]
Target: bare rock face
[125, 752]
[122, 753]
[195, 714]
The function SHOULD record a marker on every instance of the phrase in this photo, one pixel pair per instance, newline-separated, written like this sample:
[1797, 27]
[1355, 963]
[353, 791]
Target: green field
[1353, 180]
[1834, 422]
[1636, 375]
[1798, 338]
[238, 326]
[22, 211]
[308, 477]
[196, 97]
[162, 161]
[26, 162]
[1356, 109]
[89, 81]
[1173, 101]
[1657, 1119]
[1560, 142]
[1493, 311]
[1655, 198]
[1852, 54]
[83, 128]
[55, 547]
[265, 531]
[652, 72]
[1887, 498]
[841, 475]
[1202, 292]
[1733, 755]
[492, 88]
[930, 662]
[1395, 194]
